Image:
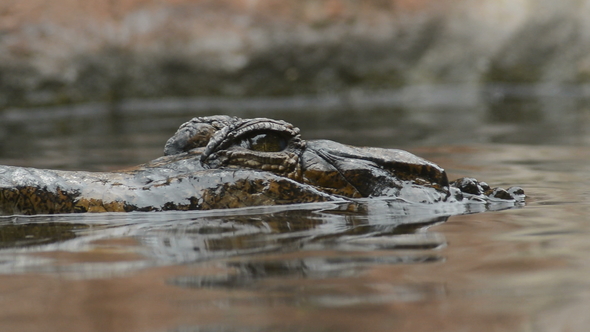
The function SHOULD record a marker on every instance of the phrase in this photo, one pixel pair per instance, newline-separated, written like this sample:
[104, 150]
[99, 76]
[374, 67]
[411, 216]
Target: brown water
[378, 266]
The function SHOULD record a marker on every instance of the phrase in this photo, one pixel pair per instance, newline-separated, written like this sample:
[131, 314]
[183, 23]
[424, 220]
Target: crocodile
[219, 162]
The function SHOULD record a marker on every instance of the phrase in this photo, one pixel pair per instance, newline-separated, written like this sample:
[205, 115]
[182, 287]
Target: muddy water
[375, 266]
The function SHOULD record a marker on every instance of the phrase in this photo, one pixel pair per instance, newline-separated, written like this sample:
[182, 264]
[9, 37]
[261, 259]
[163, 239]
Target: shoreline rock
[65, 51]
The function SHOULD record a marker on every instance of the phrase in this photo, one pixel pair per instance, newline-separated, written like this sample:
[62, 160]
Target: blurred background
[102, 84]
[493, 89]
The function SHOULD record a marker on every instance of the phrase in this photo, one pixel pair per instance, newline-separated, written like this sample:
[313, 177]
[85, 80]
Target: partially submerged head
[265, 145]
[226, 162]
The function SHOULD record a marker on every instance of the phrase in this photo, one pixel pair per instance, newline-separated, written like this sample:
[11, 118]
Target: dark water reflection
[104, 136]
[32, 234]
[373, 266]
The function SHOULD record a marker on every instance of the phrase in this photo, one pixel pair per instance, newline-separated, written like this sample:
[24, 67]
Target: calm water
[374, 266]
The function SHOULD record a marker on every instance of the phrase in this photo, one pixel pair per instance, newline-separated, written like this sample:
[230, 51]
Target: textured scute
[255, 192]
[74, 192]
[196, 133]
[222, 189]
[31, 200]
[469, 186]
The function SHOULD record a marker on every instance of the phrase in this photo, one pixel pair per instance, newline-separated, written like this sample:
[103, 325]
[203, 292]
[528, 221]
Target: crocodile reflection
[345, 244]
[394, 227]
[295, 230]
[247, 274]
[224, 162]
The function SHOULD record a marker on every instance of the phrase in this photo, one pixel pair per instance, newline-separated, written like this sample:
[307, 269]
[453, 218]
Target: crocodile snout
[372, 172]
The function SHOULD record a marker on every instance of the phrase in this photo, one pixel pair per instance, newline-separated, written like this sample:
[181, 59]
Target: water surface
[372, 266]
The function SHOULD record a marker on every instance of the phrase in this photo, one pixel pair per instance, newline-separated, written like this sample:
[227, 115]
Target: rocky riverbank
[67, 51]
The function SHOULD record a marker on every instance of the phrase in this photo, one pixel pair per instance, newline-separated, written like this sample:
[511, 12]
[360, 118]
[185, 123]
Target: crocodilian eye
[264, 142]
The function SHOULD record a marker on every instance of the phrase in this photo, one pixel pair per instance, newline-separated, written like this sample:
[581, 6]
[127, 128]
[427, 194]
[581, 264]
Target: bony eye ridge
[264, 142]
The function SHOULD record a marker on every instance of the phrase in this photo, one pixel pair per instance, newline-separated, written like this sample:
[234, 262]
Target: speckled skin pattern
[223, 162]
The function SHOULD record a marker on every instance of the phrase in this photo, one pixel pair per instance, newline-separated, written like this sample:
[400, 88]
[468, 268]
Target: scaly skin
[224, 162]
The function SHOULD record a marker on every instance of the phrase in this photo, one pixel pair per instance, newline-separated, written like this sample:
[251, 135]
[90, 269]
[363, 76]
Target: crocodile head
[226, 162]
[264, 145]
